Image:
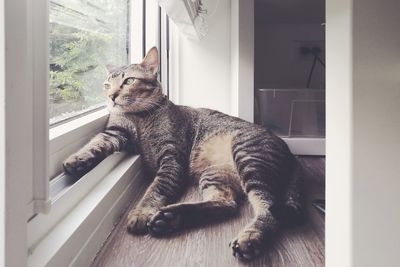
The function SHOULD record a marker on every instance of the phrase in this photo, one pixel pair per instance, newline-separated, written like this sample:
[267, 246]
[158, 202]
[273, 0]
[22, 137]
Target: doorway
[289, 72]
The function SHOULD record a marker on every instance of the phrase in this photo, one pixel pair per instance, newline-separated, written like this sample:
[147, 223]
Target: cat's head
[134, 88]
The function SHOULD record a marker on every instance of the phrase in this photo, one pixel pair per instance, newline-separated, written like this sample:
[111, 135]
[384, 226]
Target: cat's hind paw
[137, 221]
[246, 247]
[163, 222]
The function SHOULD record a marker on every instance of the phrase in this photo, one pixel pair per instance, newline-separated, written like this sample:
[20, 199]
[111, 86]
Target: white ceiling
[290, 11]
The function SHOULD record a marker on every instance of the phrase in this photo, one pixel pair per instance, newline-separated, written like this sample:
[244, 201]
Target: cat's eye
[129, 81]
[107, 86]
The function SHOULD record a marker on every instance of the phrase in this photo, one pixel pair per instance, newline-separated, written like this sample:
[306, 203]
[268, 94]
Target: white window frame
[68, 137]
[97, 199]
[164, 51]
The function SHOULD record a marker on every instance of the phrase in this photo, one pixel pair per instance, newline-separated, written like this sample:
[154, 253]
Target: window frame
[66, 138]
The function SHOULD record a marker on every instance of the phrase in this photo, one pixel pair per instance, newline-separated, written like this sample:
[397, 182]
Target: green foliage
[75, 60]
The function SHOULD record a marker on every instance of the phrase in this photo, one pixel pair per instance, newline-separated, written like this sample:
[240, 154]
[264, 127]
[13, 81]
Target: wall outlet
[312, 47]
[314, 50]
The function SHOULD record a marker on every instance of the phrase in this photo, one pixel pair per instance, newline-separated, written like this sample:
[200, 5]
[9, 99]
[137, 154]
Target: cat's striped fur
[227, 157]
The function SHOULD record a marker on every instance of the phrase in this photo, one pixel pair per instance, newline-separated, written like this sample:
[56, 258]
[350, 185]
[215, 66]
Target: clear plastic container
[292, 112]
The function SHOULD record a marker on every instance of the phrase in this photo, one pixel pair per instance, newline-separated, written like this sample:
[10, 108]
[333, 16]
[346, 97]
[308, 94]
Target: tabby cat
[226, 156]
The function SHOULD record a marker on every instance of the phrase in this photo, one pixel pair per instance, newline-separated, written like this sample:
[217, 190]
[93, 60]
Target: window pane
[85, 36]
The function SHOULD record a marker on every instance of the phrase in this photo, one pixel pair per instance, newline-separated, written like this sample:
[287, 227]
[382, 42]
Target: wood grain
[208, 246]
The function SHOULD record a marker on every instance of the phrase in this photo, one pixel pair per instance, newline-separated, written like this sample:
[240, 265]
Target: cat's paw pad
[79, 164]
[294, 214]
[163, 222]
[137, 222]
[246, 247]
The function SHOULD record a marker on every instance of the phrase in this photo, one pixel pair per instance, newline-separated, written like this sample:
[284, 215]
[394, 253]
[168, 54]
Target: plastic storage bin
[293, 112]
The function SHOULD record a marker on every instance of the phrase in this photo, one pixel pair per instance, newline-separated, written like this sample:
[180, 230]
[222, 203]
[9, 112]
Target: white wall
[376, 140]
[278, 62]
[217, 72]
[363, 140]
[2, 138]
[204, 67]
[18, 114]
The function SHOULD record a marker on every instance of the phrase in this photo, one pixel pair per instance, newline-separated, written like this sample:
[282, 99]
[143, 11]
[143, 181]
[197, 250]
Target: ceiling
[290, 11]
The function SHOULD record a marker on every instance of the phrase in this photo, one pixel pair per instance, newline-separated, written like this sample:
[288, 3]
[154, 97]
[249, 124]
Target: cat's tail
[294, 212]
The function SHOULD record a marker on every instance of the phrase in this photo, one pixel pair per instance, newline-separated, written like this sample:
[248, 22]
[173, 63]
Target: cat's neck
[149, 113]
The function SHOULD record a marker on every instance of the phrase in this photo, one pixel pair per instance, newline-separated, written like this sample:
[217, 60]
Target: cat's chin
[123, 109]
[115, 108]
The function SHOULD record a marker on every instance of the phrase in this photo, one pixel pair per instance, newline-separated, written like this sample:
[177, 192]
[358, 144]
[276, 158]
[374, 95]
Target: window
[85, 36]
[57, 221]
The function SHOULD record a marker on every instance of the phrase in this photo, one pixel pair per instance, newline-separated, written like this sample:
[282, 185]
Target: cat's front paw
[80, 164]
[138, 220]
[247, 245]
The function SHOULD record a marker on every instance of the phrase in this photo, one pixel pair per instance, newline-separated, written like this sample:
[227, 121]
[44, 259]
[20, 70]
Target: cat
[227, 156]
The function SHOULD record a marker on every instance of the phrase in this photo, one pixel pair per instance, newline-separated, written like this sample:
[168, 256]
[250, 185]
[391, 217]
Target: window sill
[68, 137]
[94, 207]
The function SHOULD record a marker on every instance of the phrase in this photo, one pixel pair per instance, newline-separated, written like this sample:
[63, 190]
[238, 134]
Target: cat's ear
[151, 61]
[111, 68]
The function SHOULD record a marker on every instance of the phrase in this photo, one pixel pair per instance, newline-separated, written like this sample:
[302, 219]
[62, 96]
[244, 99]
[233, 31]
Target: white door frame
[242, 59]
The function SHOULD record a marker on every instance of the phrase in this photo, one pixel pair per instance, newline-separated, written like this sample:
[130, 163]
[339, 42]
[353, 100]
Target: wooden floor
[208, 246]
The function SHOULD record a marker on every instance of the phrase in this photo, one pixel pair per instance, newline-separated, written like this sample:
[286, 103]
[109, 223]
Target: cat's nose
[113, 97]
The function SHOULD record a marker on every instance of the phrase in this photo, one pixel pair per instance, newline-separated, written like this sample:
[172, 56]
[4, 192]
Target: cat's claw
[162, 223]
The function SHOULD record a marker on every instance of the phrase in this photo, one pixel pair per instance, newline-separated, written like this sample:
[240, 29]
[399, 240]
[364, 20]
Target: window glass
[85, 36]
